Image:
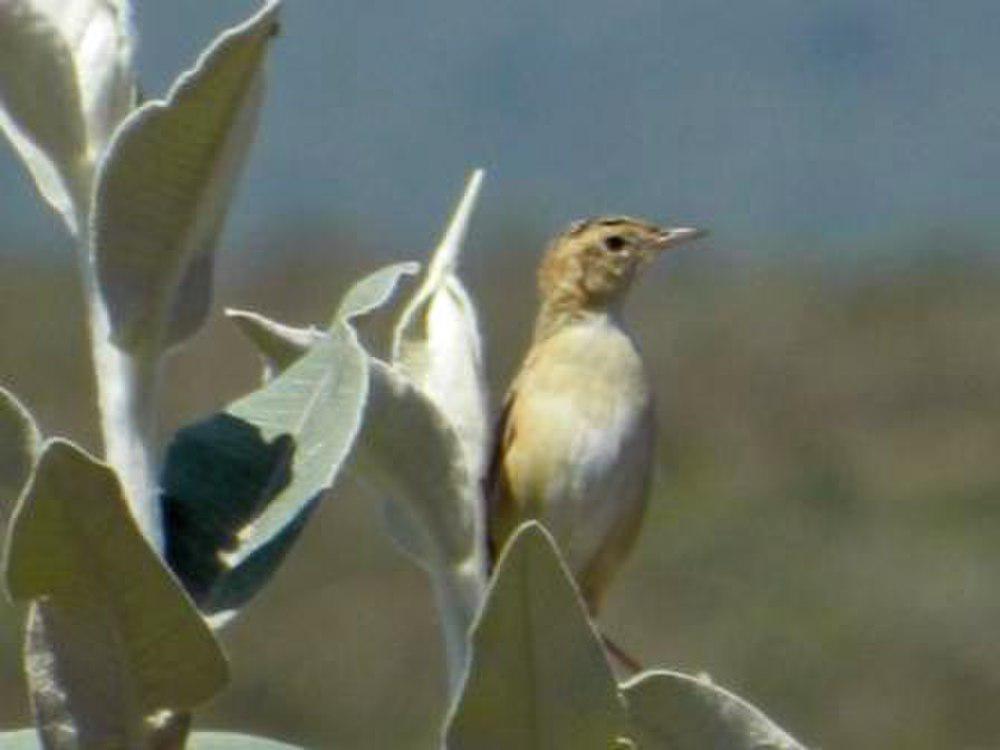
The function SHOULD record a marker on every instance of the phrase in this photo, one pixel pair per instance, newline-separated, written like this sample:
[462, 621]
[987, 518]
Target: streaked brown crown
[591, 265]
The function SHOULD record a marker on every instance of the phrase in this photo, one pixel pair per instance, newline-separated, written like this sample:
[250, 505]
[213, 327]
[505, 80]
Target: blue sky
[827, 121]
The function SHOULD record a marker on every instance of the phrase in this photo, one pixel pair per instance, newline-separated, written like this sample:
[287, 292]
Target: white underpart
[587, 452]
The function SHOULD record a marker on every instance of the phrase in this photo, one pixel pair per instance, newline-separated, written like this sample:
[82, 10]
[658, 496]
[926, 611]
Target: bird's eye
[614, 243]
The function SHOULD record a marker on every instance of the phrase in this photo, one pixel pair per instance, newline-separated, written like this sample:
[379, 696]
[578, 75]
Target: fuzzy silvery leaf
[231, 508]
[66, 81]
[277, 344]
[412, 458]
[437, 344]
[239, 486]
[100, 36]
[674, 711]
[112, 637]
[374, 290]
[538, 676]
[164, 187]
[19, 442]
[410, 455]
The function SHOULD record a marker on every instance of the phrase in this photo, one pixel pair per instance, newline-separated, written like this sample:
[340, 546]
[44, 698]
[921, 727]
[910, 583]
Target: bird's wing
[496, 493]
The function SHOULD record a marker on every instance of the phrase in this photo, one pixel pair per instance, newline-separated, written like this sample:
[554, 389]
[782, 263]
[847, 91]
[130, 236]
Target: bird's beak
[675, 236]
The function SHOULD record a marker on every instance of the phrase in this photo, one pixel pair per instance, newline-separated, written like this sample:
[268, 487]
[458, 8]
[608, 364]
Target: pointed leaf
[223, 474]
[280, 345]
[675, 711]
[100, 35]
[165, 185]
[374, 290]
[40, 108]
[19, 441]
[436, 342]
[66, 81]
[239, 486]
[412, 457]
[277, 344]
[112, 636]
[538, 677]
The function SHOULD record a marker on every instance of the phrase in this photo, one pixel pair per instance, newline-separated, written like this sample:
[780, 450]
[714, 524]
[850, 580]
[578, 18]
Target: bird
[574, 443]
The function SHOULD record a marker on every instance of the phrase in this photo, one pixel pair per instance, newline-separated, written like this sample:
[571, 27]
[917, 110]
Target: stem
[127, 393]
[459, 594]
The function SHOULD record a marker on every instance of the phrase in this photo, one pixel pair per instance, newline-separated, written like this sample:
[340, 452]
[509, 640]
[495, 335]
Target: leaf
[66, 81]
[231, 741]
[40, 108]
[675, 711]
[435, 389]
[112, 638]
[538, 676]
[373, 291]
[239, 486]
[436, 342]
[164, 187]
[277, 344]
[101, 38]
[414, 460]
[19, 441]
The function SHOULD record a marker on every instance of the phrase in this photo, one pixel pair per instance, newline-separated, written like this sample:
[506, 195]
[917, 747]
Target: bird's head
[592, 264]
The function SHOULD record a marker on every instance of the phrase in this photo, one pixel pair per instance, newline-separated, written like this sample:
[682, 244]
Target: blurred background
[824, 536]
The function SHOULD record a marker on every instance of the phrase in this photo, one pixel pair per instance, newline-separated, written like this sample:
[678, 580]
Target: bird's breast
[583, 431]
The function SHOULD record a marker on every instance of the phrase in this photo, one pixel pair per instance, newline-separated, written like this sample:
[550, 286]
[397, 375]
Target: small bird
[574, 444]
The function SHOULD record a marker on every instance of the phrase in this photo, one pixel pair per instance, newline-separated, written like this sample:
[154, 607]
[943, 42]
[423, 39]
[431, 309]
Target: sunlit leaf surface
[674, 711]
[112, 637]
[239, 486]
[165, 185]
[538, 677]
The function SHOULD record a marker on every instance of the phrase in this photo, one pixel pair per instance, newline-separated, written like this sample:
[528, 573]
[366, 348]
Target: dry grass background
[823, 537]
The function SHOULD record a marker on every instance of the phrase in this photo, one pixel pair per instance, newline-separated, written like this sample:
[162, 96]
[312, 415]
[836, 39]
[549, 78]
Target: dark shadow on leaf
[219, 475]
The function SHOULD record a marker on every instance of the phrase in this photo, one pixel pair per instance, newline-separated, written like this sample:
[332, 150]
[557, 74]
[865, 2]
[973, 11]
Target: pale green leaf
[165, 185]
[410, 453]
[101, 37]
[112, 637]
[239, 486]
[435, 390]
[437, 344]
[66, 81]
[40, 107]
[19, 442]
[412, 458]
[538, 677]
[674, 711]
[231, 741]
[373, 291]
[277, 344]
